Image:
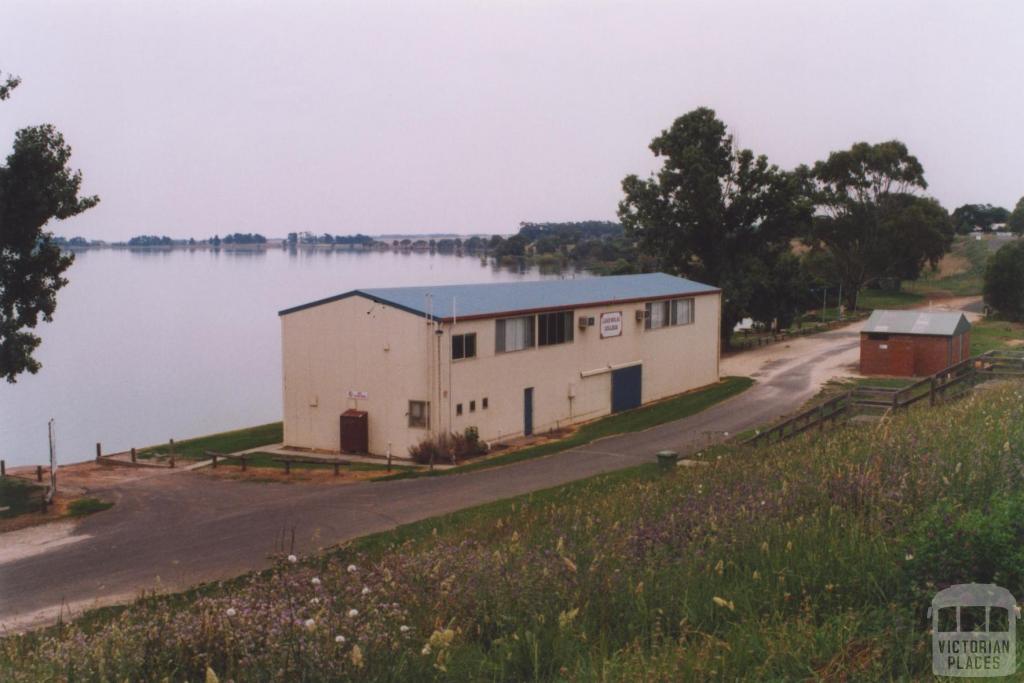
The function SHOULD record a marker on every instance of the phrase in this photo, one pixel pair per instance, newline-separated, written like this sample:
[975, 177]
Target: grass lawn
[224, 442]
[813, 559]
[870, 299]
[87, 506]
[19, 495]
[967, 283]
[630, 421]
[987, 335]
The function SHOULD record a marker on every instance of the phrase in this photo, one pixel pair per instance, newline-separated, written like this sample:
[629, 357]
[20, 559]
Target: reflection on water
[148, 345]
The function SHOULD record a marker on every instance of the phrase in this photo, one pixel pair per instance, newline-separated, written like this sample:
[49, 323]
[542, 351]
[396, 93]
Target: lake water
[151, 345]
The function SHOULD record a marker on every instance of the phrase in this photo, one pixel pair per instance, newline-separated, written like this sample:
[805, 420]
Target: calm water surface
[147, 346]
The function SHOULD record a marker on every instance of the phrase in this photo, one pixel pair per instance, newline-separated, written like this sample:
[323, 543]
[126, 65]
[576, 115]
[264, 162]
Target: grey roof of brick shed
[508, 298]
[933, 323]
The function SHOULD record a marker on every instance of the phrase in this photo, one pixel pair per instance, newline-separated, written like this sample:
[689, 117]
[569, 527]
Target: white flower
[403, 628]
[231, 612]
[426, 649]
[352, 569]
[315, 581]
[310, 624]
[353, 613]
[293, 559]
[339, 639]
[366, 590]
[910, 556]
[315, 601]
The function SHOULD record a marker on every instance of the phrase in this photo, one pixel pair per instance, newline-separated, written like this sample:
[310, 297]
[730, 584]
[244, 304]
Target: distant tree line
[309, 238]
[150, 241]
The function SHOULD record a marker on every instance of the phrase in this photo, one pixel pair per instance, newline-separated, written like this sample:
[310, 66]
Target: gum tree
[872, 220]
[721, 215]
[36, 186]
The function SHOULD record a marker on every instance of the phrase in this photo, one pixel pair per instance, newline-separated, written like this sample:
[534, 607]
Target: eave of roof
[682, 288]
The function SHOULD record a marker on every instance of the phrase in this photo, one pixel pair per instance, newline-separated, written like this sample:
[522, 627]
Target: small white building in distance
[510, 359]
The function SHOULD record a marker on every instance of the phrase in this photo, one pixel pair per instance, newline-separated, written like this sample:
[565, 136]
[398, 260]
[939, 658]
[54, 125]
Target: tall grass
[814, 558]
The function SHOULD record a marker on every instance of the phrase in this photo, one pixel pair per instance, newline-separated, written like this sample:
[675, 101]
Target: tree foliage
[871, 220]
[1015, 222]
[720, 215]
[970, 216]
[1004, 281]
[36, 186]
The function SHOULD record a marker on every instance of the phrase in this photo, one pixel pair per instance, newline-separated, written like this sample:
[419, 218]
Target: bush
[451, 447]
[1004, 281]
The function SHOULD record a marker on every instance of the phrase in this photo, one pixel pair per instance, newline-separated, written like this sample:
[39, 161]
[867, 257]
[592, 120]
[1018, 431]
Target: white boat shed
[510, 359]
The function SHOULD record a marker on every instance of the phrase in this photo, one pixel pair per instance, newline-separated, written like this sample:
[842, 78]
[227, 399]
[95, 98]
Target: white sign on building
[360, 395]
[611, 324]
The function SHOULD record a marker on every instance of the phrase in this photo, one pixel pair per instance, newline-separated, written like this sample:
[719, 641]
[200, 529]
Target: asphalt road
[171, 532]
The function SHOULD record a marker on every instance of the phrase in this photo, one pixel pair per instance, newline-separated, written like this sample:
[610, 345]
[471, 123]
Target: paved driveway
[170, 532]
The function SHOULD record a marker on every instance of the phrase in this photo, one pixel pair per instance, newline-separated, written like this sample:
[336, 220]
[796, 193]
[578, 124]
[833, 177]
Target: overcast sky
[193, 117]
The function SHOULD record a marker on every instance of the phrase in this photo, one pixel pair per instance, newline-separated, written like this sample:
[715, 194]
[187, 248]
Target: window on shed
[463, 346]
[418, 411]
[554, 328]
[513, 334]
[877, 336]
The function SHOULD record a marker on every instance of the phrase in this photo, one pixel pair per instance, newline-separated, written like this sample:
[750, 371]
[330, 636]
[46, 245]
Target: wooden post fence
[99, 452]
[39, 472]
[3, 469]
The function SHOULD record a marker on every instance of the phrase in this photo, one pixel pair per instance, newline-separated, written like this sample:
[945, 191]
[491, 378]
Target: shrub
[451, 447]
[1004, 281]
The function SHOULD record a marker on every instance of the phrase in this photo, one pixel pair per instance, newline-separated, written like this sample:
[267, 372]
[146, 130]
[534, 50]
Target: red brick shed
[913, 343]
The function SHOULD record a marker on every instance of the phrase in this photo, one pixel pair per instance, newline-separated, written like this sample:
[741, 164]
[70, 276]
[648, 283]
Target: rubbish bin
[667, 459]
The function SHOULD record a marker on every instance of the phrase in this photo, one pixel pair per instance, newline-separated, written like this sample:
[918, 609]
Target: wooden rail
[935, 388]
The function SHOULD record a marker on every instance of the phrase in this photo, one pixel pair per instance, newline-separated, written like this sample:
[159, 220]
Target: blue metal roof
[505, 298]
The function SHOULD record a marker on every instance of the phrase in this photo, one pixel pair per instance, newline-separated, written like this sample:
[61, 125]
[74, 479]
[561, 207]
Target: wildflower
[720, 567]
[314, 601]
[756, 576]
[315, 581]
[357, 657]
[403, 628]
[366, 590]
[722, 602]
[909, 557]
[230, 611]
[570, 565]
[560, 546]
[426, 650]
[310, 624]
[789, 546]
[565, 619]
[353, 613]
[293, 559]
[352, 569]
[340, 640]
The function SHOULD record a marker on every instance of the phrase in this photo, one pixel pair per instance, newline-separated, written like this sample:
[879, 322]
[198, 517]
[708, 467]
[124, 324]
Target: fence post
[244, 459]
[931, 391]
[99, 451]
[39, 472]
[287, 466]
[172, 453]
[134, 455]
[214, 460]
[3, 469]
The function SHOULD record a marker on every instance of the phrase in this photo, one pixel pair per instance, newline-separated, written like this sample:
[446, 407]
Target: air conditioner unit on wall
[586, 322]
[641, 314]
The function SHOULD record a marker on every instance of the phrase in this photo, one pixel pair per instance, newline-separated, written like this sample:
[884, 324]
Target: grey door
[627, 388]
[528, 411]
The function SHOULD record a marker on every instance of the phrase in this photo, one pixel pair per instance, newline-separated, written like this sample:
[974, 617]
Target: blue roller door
[627, 387]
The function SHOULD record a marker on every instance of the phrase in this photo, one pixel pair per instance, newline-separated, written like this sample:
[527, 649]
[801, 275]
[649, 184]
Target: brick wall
[911, 355]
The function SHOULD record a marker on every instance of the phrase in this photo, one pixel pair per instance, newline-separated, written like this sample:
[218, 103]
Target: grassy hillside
[812, 559]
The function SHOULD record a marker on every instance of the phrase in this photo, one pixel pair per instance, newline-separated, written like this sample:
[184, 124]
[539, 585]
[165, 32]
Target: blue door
[627, 385]
[528, 411]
